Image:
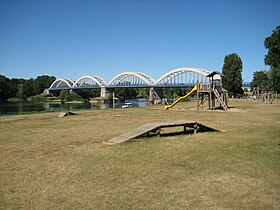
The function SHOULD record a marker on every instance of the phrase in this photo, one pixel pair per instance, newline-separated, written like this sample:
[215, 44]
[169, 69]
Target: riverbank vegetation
[62, 163]
[23, 88]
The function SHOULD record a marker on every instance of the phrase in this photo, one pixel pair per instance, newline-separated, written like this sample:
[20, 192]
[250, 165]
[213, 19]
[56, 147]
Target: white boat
[127, 105]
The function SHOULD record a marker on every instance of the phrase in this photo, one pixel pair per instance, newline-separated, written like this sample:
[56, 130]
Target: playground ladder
[220, 99]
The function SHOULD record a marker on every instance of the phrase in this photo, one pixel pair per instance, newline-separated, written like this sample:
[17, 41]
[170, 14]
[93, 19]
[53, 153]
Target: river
[26, 107]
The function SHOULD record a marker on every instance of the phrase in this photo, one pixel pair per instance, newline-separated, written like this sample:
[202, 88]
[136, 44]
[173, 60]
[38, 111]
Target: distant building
[246, 85]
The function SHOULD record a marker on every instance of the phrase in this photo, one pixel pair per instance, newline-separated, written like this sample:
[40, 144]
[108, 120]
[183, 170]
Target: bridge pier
[104, 93]
[46, 92]
[155, 94]
[151, 94]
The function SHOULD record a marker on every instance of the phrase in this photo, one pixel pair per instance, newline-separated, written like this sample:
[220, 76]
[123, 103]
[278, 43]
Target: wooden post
[202, 100]
[196, 127]
[158, 131]
[209, 100]
[113, 101]
[197, 97]
[213, 98]
[210, 97]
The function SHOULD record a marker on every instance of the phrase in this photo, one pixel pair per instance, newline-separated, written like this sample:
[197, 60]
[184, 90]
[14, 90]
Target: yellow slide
[179, 99]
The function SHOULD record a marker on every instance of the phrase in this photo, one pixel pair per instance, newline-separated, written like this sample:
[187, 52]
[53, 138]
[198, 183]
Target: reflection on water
[21, 107]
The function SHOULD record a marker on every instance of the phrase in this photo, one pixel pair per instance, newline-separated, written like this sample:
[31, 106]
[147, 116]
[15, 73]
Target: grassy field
[61, 163]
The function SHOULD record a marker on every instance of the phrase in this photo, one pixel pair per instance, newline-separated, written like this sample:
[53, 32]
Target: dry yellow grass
[60, 163]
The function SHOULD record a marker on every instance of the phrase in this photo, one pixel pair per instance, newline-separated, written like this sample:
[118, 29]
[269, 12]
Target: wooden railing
[209, 87]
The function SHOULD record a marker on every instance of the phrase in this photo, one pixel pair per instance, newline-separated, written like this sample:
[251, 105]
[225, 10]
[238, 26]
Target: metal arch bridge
[180, 77]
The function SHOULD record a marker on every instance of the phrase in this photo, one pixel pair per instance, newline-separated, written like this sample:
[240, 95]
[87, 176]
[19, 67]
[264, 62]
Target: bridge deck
[152, 128]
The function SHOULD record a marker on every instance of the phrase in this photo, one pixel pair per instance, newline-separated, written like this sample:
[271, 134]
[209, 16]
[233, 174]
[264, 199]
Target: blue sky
[73, 38]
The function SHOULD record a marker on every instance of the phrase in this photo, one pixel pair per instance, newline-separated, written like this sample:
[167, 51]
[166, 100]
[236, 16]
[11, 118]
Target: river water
[23, 107]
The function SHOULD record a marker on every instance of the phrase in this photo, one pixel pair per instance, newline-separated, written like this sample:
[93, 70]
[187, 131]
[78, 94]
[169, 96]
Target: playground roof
[212, 74]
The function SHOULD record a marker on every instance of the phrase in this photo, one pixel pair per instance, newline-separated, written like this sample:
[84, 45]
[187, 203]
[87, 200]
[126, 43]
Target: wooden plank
[151, 127]
[133, 133]
[63, 114]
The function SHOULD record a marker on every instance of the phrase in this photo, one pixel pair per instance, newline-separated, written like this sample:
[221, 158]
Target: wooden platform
[153, 128]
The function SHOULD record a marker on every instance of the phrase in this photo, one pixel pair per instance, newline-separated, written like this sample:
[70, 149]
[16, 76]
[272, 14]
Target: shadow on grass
[201, 129]
[221, 108]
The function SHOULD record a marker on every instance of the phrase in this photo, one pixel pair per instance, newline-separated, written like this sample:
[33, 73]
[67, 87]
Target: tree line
[23, 88]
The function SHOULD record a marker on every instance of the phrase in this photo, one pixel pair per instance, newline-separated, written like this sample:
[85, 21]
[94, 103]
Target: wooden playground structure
[208, 94]
[265, 96]
[211, 92]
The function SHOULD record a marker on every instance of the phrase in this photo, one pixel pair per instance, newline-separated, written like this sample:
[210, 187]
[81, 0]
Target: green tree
[232, 71]
[42, 82]
[170, 92]
[28, 88]
[126, 93]
[142, 92]
[272, 58]
[66, 95]
[4, 94]
[88, 93]
[13, 87]
[261, 79]
[19, 91]
[22, 88]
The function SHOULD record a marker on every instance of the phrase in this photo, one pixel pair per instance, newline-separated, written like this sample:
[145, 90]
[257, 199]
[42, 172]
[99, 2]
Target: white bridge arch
[90, 81]
[131, 78]
[183, 76]
[179, 77]
[61, 83]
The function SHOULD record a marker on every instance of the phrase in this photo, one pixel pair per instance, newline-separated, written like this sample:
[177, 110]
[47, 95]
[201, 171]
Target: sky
[74, 38]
